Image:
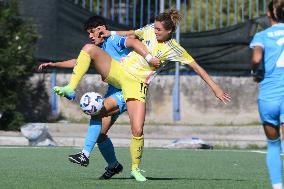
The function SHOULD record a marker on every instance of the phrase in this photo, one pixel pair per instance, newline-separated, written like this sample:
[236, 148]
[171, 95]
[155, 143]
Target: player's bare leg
[89, 54]
[136, 111]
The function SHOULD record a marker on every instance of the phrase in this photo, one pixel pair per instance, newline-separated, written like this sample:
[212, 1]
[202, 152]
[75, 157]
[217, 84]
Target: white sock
[277, 186]
[86, 153]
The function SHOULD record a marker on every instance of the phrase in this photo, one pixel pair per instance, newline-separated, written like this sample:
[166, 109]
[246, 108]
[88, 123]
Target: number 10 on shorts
[143, 88]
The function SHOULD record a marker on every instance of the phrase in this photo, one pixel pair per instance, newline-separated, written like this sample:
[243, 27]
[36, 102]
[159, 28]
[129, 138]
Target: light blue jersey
[116, 48]
[271, 88]
[272, 42]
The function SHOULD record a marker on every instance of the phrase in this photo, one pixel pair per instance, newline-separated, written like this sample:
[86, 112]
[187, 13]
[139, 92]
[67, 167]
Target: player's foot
[110, 172]
[138, 175]
[80, 159]
[65, 91]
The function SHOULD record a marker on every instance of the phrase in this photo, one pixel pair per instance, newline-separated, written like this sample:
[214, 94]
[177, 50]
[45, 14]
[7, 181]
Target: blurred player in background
[268, 49]
[134, 73]
[114, 103]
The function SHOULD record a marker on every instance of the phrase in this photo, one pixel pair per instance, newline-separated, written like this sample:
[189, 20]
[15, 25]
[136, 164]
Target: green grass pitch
[41, 168]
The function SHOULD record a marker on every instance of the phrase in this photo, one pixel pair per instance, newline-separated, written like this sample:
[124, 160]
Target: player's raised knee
[89, 48]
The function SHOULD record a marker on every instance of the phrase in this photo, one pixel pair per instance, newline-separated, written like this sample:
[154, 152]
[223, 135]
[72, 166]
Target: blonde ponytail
[175, 16]
[170, 19]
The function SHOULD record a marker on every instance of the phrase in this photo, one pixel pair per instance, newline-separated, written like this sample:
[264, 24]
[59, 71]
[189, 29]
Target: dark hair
[170, 19]
[278, 10]
[94, 22]
[270, 9]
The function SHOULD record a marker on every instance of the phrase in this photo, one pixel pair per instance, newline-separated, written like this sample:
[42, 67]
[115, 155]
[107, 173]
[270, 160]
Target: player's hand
[258, 75]
[103, 31]
[44, 65]
[155, 62]
[221, 95]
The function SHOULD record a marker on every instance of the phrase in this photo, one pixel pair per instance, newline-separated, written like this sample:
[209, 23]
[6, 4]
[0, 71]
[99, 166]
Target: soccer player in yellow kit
[134, 73]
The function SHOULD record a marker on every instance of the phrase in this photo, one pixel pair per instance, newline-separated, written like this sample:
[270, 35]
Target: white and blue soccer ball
[91, 103]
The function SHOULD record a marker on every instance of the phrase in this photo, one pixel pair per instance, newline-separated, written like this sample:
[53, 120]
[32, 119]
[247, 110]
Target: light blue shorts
[271, 112]
[116, 94]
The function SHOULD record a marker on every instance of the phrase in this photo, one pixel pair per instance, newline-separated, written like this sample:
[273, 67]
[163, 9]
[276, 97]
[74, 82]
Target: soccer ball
[91, 103]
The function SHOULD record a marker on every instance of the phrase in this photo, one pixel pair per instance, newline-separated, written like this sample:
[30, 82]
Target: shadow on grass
[148, 178]
[215, 179]
[200, 179]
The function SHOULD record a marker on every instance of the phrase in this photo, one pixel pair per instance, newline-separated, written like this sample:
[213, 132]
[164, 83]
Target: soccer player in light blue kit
[268, 48]
[115, 46]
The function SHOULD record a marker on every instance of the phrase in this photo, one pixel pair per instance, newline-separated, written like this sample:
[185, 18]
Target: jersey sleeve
[257, 40]
[186, 58]
[139, 32]
[119, 42]
[179, 54]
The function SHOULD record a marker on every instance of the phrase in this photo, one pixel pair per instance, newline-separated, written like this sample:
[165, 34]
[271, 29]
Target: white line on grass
[219, 150]
[40, 147]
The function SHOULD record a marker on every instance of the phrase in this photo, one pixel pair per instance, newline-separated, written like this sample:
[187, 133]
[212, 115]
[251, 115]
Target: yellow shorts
[131, 87]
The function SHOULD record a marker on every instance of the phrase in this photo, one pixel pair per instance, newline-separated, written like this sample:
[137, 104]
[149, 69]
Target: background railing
[198, 15]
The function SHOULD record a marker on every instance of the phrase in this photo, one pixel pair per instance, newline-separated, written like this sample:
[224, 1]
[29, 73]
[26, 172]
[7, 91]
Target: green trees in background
[17, 63]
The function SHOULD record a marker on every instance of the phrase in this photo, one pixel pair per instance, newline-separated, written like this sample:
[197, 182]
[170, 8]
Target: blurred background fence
[216, 32]
[198, 15]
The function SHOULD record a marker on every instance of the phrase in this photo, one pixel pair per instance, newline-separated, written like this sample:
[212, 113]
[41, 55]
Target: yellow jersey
[168, 51]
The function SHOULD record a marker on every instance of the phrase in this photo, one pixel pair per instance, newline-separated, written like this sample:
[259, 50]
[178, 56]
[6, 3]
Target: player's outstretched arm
[107, 33]
[219, 93]
[64, 64]
[141, 49]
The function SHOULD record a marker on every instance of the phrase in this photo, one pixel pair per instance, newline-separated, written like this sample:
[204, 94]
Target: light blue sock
[273, 161]
[282, 151]
[282, 146]
[107, 150]
[93, 133]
